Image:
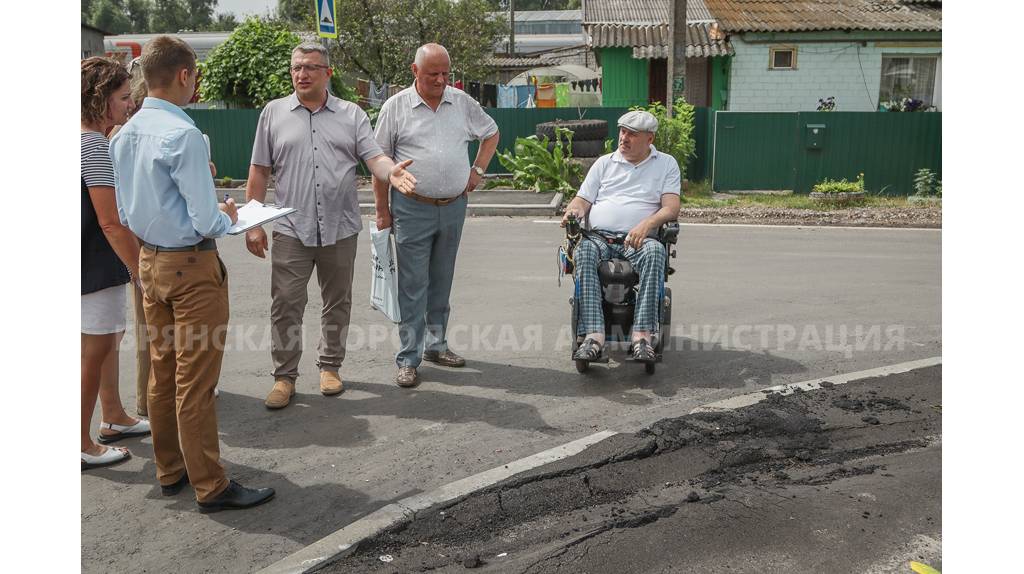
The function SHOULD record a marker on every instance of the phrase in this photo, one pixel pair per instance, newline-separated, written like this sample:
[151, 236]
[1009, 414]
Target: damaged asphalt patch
[844, 478]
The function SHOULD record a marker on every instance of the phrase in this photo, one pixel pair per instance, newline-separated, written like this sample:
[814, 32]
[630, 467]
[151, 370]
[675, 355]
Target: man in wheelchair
[625, 199]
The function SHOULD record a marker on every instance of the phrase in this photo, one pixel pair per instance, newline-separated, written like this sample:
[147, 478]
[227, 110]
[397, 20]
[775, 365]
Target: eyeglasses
[308, 67]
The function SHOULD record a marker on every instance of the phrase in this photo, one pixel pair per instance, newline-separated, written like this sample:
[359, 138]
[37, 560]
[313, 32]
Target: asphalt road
[754, 307]
[845, 478]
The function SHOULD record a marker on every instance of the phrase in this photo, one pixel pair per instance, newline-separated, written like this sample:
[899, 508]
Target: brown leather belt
[431, 200]
[206, 244]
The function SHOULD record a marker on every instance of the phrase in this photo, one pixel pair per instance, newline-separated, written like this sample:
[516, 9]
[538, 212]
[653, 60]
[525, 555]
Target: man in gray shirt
[312, 142]
[432, 124]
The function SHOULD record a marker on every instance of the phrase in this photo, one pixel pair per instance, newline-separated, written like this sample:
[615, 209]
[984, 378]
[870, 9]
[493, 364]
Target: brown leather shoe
[281, 394]
[445, 359]
[330, 383]
[407, 377]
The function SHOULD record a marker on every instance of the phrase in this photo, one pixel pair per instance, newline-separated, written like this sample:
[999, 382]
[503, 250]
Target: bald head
[431, 53]
[431, 68]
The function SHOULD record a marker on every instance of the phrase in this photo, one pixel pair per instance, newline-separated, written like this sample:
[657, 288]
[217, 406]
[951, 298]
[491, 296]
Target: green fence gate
[782, 151]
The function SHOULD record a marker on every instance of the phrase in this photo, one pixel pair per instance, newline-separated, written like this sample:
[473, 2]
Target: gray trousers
[292, 265]
[427, 240]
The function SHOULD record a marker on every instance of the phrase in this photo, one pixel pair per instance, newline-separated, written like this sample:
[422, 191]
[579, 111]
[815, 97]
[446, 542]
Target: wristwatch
[479, 170]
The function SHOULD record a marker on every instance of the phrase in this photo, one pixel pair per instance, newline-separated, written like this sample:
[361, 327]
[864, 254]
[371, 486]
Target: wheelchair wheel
[649, 368]
[665, 325]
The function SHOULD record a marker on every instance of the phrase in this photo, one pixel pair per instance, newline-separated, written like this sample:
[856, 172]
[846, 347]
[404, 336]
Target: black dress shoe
[236, 496]
[175, 487]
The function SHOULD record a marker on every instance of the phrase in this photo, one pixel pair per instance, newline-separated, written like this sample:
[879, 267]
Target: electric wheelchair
[619, 286]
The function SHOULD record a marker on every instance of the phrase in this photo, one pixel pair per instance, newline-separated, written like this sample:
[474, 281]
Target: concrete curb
[748, 399]
[473, 209]
[337, 544]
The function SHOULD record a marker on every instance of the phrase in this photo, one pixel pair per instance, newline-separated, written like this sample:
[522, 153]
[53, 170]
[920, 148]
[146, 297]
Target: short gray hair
[310, 46]
[421, 53]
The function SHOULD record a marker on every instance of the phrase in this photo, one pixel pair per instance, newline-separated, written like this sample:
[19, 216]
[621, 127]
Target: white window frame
[936, 88]
[771, 57]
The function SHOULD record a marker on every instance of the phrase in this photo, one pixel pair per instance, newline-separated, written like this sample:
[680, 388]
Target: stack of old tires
[587, 139]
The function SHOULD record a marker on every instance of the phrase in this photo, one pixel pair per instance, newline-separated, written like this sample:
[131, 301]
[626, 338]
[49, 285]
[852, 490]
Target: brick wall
[846, 70]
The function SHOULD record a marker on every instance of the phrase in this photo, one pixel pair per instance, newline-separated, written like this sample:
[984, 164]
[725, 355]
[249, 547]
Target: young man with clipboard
[165, 195]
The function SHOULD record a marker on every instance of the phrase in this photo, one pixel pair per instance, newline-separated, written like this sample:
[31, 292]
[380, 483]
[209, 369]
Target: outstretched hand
[401, 179]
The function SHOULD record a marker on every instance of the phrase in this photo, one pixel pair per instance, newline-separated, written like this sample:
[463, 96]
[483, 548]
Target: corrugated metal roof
[640, 11]
[643, 25]
[698, 45]
[548, 15]
[817, 15]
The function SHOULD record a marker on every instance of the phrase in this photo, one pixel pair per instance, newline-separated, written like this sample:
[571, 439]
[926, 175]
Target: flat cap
[639, 121]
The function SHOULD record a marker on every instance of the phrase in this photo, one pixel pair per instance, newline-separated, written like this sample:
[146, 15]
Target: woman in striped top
[110, 259]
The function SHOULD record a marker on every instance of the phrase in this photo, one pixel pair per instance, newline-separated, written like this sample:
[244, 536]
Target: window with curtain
[908, 77]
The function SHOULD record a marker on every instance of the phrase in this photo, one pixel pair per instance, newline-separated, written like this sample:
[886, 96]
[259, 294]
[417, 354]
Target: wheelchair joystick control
[572, 225]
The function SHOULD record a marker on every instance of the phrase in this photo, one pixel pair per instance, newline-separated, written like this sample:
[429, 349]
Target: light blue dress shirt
[164, 189]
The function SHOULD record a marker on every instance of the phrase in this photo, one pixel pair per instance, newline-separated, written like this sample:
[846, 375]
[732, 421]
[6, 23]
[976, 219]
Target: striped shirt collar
[160, 104]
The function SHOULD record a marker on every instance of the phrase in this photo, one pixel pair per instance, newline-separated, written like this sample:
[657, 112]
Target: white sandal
[140, 428]
[112, 455]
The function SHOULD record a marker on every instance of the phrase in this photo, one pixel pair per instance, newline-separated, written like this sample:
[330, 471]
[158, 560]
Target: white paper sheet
[254, 214]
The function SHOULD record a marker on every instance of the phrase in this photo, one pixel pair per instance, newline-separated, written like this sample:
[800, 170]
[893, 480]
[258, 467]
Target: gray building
[92, 41]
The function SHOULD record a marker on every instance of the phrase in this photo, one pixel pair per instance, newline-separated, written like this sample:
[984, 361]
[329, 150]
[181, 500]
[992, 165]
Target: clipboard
[255, 214]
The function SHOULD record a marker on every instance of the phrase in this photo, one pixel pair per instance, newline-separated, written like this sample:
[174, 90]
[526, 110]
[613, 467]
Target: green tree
[139, 13]
[87, 11]
[225, 22]
[169, 16]
[299, 13]
[379, 38]
[109, 15]
[200, 14]
[251, 67]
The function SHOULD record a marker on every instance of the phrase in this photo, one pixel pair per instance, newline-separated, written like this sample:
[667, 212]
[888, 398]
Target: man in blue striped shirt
[165, 195]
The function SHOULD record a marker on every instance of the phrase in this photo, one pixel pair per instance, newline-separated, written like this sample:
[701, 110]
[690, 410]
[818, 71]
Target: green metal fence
[775, 150]
[231, 134]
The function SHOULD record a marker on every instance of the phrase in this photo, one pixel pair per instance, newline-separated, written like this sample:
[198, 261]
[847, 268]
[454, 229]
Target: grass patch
[698, 189]
[699, 195]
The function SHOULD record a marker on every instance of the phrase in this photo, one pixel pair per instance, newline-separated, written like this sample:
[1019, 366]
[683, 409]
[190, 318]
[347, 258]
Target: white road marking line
[758, 396]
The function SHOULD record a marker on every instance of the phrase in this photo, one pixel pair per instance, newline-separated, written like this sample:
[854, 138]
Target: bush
[675, 134]
[251, 67]
[840, 185]
[534, 167]
[926, 184]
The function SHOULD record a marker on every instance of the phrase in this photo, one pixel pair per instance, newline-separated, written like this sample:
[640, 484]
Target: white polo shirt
[622, 194]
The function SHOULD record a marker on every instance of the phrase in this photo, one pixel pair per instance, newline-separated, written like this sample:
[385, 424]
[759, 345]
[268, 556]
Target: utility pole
[512, 27]
[677, 55]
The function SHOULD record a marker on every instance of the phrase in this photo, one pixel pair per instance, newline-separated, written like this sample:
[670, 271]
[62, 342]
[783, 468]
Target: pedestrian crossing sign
[326, 17]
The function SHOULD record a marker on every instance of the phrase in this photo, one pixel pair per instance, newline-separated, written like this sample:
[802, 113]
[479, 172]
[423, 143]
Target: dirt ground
[924, 217]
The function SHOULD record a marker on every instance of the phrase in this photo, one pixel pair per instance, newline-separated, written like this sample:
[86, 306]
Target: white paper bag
[384, 285]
